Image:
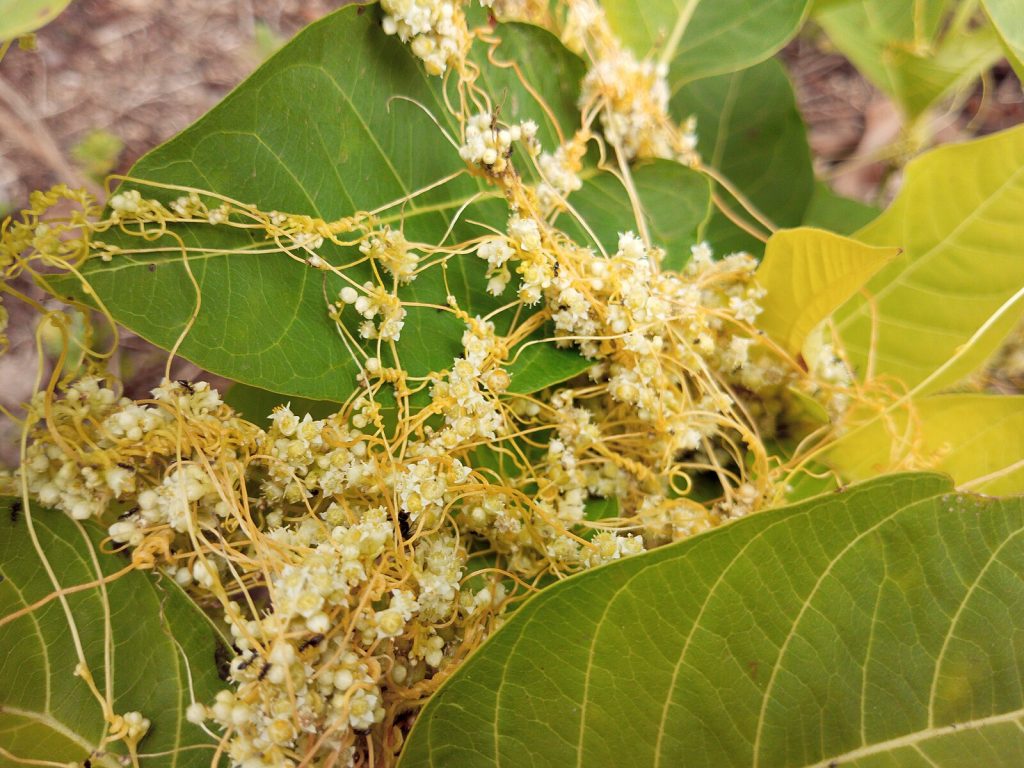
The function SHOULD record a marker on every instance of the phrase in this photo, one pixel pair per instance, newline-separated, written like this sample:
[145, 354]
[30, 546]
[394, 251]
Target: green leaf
[539, 365]
[960, 234]
[601, 508]
[1007, 17]
[20, 17]
[836, 213]
[750, 131]
[976, 439]
[923, 80]
[896, 45]
[875, 627]
[867, 31]
[326, 128]
[701, 38]
[548, 66]
[675, 200]
[257, 404]
[162, 647]
[808, 273]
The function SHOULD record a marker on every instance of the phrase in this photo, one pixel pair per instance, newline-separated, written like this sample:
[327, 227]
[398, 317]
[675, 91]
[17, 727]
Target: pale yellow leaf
[808, 273]
[939, 311]
[975, 438]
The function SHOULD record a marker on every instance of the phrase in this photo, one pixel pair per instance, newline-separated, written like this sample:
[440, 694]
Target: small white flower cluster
[489, 145]
[656, 336]
[131, 205]
[560, 173]
[314, 455]
[496, 252]
[666, 520]
[421, 492]
[87, 484]
[613, 546]
[307, 241]
[468, 396]
[536, 264]
[187, 206]
[373, 302]
[127, 203]
[584, 21]
[389, 248]
[633, 98]
[740, 502]
[829, 372]
[295, 671]
[438, 572]
[435, 29]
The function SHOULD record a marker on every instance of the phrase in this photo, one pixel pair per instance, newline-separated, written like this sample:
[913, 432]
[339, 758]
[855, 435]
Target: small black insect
[187, 386]
[311, 642]
[556, 268]
[124, 465]
[15, 510]
[127, 513]
[151, 267]
[263, 672]
[403, 524]
[222, 658]
[87, 763]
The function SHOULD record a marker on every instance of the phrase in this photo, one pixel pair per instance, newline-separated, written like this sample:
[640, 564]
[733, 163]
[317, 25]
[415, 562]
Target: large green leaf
[977, 439]
[675, 201]
[19, 17]
[701, 38]
[896, 44]
[958, 221]
[750, 130]
[876, 627]
[162, 649]
[1008, 18]
[318, 130]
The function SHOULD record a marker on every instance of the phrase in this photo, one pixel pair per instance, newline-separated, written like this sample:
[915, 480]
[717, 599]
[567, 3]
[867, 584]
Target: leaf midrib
[914, 738]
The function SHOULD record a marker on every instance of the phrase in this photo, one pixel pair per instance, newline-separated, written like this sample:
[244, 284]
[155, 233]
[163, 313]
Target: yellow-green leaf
[977, 439]
[20, 17]
[1008, 18]
[942, 308]
[807, 274]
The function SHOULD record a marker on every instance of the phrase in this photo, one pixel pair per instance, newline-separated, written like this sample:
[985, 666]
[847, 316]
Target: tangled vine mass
[356, 559]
